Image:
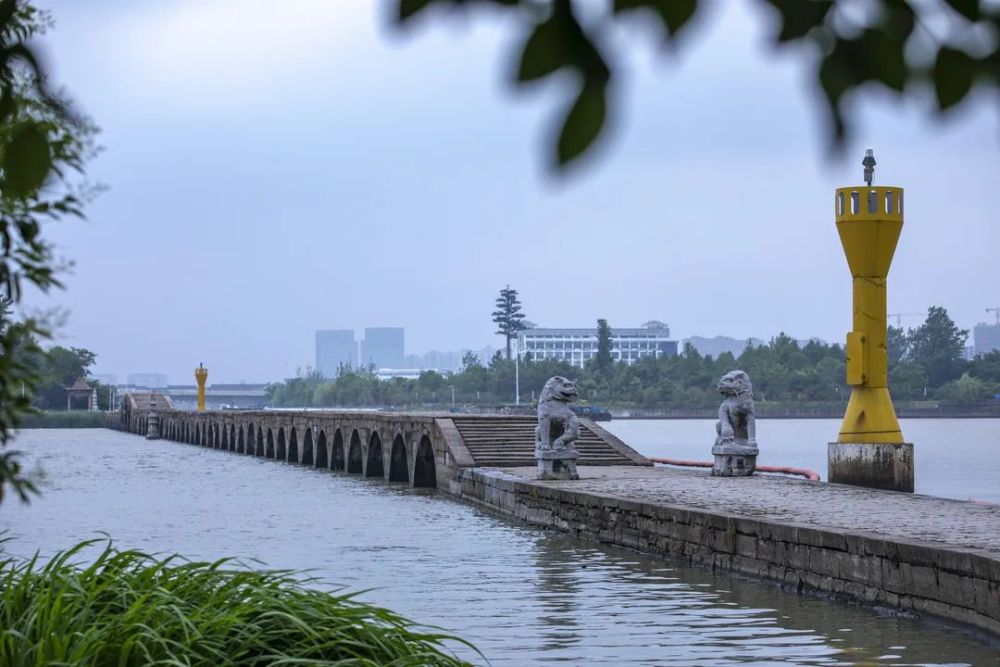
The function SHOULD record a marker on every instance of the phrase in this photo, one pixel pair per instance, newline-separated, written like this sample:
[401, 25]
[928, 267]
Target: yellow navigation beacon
[870, 450]
[200, 376]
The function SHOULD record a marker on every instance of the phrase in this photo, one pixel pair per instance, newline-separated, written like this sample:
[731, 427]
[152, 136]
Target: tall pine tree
[508, 316]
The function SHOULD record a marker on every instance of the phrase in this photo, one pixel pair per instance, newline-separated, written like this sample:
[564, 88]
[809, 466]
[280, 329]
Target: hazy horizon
[277, 170]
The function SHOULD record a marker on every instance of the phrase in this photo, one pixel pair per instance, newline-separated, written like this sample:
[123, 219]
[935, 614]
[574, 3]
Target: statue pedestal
[875, 465]
[557, 465]
[734, 460]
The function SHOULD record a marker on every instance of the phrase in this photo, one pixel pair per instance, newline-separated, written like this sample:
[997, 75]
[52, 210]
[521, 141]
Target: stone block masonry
[913, 553]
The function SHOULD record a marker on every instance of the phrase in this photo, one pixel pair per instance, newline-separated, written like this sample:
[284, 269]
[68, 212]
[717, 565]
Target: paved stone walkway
[821, 505]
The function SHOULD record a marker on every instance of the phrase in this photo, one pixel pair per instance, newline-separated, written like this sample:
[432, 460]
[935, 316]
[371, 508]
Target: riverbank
[63, 419]
[907, 552]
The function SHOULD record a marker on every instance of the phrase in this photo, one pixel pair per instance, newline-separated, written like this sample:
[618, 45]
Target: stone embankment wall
[950, 583]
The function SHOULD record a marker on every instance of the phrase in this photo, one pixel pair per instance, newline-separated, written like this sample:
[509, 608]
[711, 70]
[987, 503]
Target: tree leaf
[26, 161]
[967, 8]
[7, 10]
[674, 14]
[953, 74]
[546, 49]
[583, 123]
[408, 8]
[799, 17]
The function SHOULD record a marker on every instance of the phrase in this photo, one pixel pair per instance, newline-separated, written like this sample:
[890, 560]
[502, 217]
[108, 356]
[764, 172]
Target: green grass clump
[130, 608]
[57, 419]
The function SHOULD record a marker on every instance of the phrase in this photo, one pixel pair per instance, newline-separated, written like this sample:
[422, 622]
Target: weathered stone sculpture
[735, 447]
[557, 431]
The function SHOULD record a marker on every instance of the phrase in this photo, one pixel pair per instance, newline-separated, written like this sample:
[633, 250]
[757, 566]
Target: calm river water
[523, 596]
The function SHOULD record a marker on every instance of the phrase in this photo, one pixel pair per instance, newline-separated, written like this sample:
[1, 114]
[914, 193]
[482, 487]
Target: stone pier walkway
[898, 550]
[898, 516]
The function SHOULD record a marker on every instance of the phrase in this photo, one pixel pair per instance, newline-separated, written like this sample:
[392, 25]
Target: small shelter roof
[79, 385]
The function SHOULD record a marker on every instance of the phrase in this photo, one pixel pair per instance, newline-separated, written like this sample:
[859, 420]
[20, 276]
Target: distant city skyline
[450, 360]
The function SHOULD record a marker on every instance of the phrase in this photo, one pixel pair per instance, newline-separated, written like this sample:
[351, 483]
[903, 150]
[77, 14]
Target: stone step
[510, 442]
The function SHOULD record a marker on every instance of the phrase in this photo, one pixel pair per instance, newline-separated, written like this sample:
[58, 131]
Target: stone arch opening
[374, 466]
[269, 452]
[241, 443]
[218, 436]
[232, 437]
[251, 444]
[293, 446]
[423, 469]
[307, 448]
[259, 449]
[322, 457]
[225, 438]
[281, 453]
[398, 470]
[337, 451]
[355, 464]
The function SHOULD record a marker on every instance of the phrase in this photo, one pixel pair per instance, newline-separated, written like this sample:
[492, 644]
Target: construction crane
[996, 311]
[899, 317]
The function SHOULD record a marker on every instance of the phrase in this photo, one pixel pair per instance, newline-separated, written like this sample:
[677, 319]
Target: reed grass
[130, 608]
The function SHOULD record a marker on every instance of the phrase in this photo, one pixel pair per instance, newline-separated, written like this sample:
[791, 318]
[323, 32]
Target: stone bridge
[417, 449]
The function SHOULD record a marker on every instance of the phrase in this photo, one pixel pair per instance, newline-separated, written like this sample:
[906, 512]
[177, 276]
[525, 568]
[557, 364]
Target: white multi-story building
[578, 346]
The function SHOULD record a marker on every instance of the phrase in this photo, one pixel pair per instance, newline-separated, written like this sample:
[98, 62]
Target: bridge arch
[269, 452]
[322, 456]
[281, 453]
[251, 443]
[218, 436]
[374, 466]
[241, 442]
[260, 444]
[225, 438]
[307, 448]
[337, 459]
[355, 461]
[398, 469]
[232, 437]
[293, 446]
[424, 473]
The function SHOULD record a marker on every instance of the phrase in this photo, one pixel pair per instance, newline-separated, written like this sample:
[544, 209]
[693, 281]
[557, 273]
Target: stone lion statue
[557, 431]
[735, 447]
[736, 417]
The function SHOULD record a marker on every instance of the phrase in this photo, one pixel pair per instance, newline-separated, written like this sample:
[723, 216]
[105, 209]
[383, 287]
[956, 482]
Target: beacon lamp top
[869, 164]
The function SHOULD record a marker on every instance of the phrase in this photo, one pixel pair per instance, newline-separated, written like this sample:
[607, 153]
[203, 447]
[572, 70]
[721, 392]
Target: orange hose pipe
[785, 470]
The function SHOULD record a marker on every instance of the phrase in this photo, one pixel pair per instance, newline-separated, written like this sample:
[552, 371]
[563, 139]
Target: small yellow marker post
[200, 376]
[870, 450]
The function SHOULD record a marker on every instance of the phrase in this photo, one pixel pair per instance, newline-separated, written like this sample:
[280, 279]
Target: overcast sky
[275, 168]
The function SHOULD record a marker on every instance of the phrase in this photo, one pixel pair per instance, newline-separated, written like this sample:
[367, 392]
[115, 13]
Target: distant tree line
[925, 363]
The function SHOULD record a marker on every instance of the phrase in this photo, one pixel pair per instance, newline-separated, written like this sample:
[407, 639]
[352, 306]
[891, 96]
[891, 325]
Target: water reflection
[523, 596]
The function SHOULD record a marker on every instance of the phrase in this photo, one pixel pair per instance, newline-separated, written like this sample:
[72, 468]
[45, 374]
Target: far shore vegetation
[925, 364]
